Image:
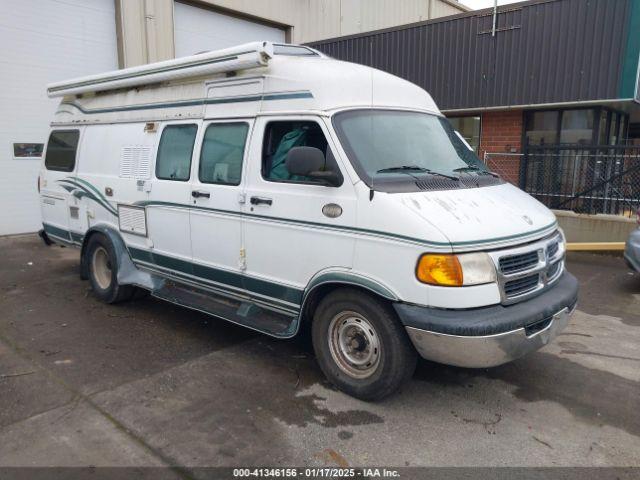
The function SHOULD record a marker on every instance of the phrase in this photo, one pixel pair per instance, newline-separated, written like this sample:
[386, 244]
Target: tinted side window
[282, 136]
[222, 153]
[174, 152]
[61, 150]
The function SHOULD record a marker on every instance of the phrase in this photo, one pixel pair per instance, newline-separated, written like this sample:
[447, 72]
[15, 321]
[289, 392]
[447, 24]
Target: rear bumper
[490, 336]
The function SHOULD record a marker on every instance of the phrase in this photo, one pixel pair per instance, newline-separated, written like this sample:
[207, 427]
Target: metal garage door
[198, 29]
[42, 41]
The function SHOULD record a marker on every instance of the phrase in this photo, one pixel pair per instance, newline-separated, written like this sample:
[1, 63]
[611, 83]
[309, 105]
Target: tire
[103, 271]
[360, 345]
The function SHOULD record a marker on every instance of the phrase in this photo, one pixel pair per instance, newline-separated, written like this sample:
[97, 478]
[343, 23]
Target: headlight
[455, 270]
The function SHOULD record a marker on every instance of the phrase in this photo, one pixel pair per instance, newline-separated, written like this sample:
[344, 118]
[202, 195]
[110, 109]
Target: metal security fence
[585, 179]
[596, 179]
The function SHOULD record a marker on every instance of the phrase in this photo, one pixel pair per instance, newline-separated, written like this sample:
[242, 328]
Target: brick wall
[502, 133]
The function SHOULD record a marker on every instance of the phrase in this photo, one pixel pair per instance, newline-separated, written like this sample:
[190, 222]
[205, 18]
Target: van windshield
[394, 147]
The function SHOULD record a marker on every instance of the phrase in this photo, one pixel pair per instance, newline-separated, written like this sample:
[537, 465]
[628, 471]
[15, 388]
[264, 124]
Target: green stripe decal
[92, 192]
[350, 278]
[356, 230]
[278, 293]
[195, 102]
[77, 237]
[56, 231]
[81, 188]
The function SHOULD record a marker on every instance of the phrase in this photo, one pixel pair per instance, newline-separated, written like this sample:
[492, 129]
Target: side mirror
[310, 162]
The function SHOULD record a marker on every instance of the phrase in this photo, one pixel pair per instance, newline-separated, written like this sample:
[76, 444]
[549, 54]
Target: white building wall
[40, 45]
[319, 19]
[48, 40]
[197, 30]
[148, 36]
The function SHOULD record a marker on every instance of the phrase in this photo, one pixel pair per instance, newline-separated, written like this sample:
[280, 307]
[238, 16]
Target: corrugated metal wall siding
[546, 52]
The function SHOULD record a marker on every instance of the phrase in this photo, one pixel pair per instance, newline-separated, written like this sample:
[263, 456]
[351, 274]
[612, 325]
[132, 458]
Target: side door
[293, 227]
[57, 201]
[167, 208]
[216, 191]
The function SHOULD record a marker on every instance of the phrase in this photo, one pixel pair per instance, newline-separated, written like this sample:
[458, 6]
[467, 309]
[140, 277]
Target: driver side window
[280, 137]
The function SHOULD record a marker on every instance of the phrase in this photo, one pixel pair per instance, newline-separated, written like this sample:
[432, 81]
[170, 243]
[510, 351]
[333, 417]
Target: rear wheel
[360, 345]
[103, 271]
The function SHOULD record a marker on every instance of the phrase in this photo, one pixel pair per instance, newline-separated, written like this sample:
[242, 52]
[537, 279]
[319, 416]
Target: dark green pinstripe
[194, 102]
[392, 236]
[273, 290]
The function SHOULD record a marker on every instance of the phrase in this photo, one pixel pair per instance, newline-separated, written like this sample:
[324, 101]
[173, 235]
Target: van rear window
[61, 150]
[173, 161]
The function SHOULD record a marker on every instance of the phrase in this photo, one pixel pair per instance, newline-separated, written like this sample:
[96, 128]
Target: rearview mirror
[310, 162]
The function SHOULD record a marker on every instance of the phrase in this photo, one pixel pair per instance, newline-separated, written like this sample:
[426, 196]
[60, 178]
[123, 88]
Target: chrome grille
[527, 270]
[554, 270]
[520, 286]
[517, 263]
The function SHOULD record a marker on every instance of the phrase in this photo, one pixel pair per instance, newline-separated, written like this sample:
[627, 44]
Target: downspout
[495, 16]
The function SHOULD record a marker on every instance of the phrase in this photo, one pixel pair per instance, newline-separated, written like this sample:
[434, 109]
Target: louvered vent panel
[132, 220]
[135, 162]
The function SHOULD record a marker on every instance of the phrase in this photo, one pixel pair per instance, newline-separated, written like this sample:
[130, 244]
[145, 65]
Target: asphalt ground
[148, 383]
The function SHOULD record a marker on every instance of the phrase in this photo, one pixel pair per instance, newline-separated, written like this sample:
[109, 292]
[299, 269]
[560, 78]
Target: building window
[542, 127]
[622, 134]
[469, 128]
[602, 129]
[173, 161]
[577, 127]
[580, 126]
[28, 150]
[613, 129]
[61, 150]
[222, 153]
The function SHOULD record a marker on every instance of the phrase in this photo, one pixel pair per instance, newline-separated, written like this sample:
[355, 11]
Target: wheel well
[318, 293]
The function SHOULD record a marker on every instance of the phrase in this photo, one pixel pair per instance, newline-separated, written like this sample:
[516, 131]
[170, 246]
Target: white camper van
[280, 189]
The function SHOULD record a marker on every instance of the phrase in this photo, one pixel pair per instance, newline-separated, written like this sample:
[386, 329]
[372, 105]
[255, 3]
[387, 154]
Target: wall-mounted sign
[28, 150]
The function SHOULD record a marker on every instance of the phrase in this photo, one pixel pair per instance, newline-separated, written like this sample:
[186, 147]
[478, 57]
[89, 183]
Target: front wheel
[361, 346]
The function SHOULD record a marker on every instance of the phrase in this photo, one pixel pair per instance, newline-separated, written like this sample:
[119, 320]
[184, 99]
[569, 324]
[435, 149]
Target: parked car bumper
[632, 250]
[490, 336]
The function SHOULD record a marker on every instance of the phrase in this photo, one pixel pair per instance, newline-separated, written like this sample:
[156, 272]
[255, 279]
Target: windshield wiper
[415, 168]
[474, 168]
[401, 168]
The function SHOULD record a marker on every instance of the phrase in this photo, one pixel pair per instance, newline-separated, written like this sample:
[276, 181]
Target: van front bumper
[490, 336]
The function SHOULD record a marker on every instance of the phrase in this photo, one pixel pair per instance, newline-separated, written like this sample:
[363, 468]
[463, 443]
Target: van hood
[481, 218]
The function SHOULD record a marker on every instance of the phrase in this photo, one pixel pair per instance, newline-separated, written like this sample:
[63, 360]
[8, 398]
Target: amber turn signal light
[437, 269]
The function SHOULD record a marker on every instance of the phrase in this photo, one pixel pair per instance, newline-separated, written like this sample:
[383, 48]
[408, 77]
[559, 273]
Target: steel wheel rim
[101, 266]
[354, 344]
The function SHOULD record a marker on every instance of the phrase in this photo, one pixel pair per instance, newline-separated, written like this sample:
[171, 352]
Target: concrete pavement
[147, 383]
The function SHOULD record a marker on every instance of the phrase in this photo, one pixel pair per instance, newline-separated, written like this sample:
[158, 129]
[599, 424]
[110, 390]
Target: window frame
[244, 151]
[597, 123]
[327, 137]
[75, 155]
[479, 117]
[13, 145]
[193, 146]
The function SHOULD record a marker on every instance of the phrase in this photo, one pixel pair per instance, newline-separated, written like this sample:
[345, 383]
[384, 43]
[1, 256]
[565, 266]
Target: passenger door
[293, 227]
[167, 209]
[216, 222]
[58, 186]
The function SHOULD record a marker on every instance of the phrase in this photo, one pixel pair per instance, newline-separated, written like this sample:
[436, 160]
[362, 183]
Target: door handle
[260, 200]
[198, 194]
